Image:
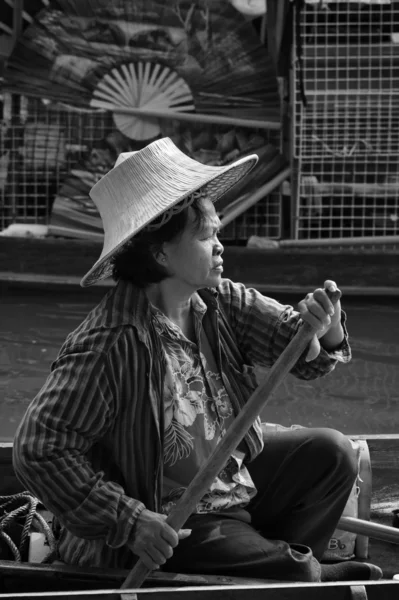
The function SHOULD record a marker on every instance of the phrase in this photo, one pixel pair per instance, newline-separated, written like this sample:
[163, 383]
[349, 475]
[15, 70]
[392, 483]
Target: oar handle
[237, 430]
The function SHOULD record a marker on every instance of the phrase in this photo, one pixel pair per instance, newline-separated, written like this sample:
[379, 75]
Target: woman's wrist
[333, 338]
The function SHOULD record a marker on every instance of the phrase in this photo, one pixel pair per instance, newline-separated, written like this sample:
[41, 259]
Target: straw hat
[143, 185]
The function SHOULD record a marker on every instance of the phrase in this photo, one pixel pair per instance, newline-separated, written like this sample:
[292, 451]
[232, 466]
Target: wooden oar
[237, 430]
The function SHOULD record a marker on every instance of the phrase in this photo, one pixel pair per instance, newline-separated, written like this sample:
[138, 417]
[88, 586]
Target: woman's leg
[223, 545]
[304, 478]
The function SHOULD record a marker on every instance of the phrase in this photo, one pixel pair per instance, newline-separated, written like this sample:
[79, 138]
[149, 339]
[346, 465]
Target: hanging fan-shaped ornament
[143, 85]
[71, 46]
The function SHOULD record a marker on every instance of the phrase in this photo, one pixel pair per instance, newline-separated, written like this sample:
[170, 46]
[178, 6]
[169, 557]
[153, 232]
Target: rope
[29, 510]
[12, 546]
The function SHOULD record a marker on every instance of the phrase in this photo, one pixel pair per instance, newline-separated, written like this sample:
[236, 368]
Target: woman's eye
[210, 235]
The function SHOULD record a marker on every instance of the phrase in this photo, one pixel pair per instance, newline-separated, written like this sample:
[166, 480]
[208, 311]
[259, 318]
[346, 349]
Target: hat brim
[214, 187]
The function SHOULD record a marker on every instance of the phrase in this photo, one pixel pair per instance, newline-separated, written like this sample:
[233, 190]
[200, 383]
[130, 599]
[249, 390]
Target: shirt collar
[130, 304]
[198, 305]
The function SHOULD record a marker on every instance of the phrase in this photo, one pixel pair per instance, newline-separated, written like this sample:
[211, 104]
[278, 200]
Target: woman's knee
[335, 449]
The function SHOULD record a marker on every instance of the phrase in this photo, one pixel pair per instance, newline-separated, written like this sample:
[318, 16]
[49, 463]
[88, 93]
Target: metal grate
[264, 219]
[346, 138]
[40, 144]
[38, 147]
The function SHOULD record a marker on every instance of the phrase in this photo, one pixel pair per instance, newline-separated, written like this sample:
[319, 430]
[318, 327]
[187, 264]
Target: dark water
[362, 397]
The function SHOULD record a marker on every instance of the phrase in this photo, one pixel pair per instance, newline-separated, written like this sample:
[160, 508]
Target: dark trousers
[304, 478]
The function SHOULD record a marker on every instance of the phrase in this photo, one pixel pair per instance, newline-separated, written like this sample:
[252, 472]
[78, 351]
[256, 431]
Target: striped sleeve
[72, 411]
[264, 327]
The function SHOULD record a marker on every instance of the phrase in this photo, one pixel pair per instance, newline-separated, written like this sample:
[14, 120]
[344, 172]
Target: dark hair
[136, 262]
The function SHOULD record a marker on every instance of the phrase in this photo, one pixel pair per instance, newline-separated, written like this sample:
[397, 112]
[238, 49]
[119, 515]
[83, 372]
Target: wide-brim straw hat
[144, 184]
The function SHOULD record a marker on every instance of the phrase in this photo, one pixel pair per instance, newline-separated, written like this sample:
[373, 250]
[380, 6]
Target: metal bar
[373, 530]
[341, 241]
[196, 117]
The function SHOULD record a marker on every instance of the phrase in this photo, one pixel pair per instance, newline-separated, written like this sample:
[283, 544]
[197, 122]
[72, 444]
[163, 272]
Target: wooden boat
[59, 580]
[35, 263]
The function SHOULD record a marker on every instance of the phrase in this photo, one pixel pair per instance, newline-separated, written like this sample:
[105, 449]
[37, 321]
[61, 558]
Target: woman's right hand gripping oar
[153, 539]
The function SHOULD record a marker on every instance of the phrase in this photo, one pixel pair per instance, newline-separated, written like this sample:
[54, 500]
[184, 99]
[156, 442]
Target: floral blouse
[198, 413]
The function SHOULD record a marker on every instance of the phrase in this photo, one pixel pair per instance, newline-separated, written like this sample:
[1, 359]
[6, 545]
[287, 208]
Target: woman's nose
[218, 249]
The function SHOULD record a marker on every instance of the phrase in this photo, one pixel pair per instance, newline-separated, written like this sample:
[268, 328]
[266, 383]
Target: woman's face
[195, 259]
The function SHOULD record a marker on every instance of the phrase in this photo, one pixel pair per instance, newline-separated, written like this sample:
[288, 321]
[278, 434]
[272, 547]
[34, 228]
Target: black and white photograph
[199, 332]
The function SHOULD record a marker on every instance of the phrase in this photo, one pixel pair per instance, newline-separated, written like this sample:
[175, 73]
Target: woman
[144, 388]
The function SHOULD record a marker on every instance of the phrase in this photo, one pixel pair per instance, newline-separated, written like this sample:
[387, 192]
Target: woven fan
[142, 85]
[151, 57]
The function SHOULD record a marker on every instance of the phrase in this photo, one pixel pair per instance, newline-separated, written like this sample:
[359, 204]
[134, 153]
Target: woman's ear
[160, 256]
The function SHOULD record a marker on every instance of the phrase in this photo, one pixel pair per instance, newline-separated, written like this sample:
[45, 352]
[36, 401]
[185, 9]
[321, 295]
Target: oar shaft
[372, 530]
[204, 478]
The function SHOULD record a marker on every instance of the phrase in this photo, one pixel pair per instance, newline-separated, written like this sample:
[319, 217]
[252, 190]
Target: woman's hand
[318, 310]
[154, 540]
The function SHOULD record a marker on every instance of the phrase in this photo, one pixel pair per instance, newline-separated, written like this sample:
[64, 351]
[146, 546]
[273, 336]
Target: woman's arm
[264, 327]
[73, 410]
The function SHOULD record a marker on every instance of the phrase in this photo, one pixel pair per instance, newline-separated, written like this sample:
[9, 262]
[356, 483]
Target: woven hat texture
[144, 184]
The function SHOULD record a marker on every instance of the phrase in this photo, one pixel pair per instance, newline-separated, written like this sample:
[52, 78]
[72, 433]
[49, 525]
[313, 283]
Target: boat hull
[60, 579]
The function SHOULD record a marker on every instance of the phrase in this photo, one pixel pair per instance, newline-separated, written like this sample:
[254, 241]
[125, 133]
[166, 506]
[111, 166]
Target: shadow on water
[362, 397]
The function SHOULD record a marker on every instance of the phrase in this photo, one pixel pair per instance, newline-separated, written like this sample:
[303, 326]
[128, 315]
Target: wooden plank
[297, 268]
[40, 281]
[60, 576]
[8, 481]
[384, 449]
[385, 590]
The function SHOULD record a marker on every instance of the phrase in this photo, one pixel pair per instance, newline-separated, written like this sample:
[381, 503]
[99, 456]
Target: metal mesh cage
[263, 219]
[346, 137]
[38, 147]
[41, 144]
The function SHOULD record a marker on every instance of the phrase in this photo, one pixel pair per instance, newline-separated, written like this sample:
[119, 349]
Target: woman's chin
[212, 280]
[215, 278]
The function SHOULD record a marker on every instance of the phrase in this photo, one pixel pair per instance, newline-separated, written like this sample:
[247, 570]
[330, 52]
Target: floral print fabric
[198, 412]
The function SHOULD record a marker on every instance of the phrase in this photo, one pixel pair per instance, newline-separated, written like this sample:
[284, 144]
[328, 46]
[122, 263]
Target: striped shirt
[90, 445]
